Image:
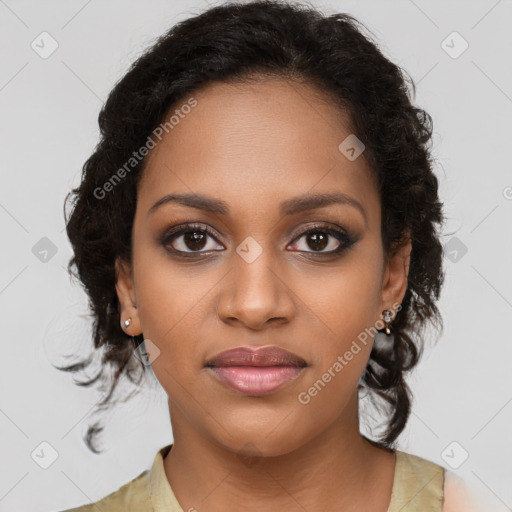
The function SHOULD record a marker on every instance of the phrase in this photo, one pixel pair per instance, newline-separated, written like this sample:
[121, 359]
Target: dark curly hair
[243, 41]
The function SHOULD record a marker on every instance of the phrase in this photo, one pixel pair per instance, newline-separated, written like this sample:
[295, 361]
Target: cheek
[332, 383]
[167, 292]
[171, 309]
[341, 304]
[335, 379]
[343, 312]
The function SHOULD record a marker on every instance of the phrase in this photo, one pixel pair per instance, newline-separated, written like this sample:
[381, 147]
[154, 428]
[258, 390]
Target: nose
[255, 294]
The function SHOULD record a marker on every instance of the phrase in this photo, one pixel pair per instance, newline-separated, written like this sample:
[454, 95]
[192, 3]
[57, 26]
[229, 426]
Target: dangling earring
[387, 319]
[126, 323]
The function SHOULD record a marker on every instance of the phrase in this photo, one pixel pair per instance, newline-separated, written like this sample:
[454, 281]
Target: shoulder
[418, 484]
[421, 484]
[133, 495]
[137, 494]
[418, 463]
[423, 471]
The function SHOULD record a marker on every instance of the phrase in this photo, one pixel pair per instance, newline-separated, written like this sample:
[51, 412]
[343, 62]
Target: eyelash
[346, 240]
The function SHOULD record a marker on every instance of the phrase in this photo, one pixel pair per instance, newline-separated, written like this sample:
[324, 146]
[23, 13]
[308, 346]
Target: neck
[337, 469]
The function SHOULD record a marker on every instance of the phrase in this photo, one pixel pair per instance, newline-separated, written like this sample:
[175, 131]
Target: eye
[192, 238]
[323, 239]
[196, 239]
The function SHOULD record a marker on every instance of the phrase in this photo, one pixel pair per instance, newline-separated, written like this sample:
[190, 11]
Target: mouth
[256, 372]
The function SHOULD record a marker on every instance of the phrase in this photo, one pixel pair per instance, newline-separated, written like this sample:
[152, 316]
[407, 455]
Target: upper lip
[249, 356]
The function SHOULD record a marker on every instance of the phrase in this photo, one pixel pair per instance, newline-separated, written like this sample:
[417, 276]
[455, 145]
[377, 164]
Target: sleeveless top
[417, 486]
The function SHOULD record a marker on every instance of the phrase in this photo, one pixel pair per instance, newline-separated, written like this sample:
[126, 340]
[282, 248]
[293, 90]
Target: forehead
[255, 140]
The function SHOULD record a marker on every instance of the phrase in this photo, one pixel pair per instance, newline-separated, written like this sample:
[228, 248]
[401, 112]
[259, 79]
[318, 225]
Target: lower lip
[256, 380]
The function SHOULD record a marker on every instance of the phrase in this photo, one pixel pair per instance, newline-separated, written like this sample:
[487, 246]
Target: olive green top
[417, 486]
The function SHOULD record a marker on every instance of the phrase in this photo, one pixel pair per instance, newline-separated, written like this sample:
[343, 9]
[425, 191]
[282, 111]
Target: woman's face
[250, 157]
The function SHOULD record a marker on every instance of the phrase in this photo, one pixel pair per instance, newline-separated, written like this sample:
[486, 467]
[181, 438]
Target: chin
[256, 444]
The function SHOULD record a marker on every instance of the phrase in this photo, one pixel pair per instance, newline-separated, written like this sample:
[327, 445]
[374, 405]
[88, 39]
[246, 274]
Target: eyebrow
[289, 207]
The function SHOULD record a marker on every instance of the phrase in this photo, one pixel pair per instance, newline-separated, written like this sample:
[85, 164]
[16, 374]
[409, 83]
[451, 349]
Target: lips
[256, 372]
[265, 356]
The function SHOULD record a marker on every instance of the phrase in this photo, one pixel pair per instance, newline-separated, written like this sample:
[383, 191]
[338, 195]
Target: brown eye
[194, 240]
[318, 241]
[323, 240]
[191, 239]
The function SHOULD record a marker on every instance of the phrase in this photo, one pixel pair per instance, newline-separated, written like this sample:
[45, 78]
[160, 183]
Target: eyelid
[182, 228]
[327, 227]
[345, 239]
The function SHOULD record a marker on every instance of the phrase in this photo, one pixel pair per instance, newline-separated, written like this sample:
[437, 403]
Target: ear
[396, 272]
[127, 300]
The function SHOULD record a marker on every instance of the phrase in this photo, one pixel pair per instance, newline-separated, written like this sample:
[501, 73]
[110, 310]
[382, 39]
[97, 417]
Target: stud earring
[387, 319]
[127, 322]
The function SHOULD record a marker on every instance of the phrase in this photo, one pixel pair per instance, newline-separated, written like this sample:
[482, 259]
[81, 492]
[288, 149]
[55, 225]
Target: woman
[262, 216]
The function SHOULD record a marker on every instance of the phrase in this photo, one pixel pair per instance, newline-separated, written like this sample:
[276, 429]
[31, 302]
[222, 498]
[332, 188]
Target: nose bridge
[255, 292]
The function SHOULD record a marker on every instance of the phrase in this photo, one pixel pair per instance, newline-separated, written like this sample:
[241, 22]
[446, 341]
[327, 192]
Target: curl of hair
[238, 42]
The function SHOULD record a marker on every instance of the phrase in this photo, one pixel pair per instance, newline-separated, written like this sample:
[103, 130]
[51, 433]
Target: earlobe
[129, 318]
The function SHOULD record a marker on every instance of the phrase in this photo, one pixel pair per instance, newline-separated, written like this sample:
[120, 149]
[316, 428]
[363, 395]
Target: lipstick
[256, 372]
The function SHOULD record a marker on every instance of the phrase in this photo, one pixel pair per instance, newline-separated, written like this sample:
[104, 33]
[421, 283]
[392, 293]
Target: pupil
[194, 240]
[319, 241]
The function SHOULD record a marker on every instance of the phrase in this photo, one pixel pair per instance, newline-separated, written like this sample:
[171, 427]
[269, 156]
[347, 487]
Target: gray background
[48, 126]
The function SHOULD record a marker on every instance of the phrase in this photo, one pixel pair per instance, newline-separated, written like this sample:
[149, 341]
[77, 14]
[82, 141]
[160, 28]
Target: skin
[254, 146]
